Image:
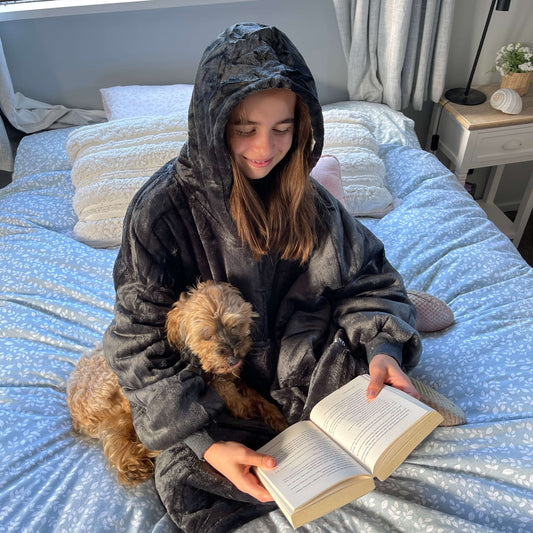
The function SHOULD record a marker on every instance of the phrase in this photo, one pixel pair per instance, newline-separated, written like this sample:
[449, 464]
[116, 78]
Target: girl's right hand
[235, 461]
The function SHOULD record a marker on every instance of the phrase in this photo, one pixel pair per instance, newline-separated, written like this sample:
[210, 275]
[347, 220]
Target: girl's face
[260, 131]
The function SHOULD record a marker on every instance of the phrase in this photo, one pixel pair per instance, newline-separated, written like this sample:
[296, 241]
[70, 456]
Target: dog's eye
[207, 335]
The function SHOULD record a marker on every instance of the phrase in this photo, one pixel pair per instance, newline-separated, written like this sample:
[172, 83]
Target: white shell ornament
[507, 101]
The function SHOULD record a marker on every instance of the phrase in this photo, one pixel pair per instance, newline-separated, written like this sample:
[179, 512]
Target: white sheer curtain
[396, 50]
[29, 115]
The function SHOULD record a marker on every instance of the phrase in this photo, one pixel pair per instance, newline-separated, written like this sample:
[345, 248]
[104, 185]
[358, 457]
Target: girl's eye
[244, 133]
[283, 131]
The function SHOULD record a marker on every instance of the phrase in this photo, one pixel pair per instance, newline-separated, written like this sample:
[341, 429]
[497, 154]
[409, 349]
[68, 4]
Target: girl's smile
[259, 164]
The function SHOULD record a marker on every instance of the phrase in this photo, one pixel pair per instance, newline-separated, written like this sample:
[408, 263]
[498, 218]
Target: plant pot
[519, 81]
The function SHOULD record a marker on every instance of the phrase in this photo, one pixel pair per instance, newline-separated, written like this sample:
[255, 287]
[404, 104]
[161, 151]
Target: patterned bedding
[56, 299]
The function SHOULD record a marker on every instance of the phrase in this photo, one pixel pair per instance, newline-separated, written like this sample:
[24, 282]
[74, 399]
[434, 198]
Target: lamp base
[458, 96]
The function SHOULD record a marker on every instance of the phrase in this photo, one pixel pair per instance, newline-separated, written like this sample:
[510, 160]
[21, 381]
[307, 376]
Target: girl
[238, 205]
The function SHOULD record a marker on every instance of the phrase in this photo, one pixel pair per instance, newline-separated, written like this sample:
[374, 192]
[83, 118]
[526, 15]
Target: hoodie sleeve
[347, 306]
[371, 305]
[167, 394]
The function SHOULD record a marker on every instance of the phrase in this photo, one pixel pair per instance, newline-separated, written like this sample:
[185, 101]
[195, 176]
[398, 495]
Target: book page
[307, 464]
[366, 428]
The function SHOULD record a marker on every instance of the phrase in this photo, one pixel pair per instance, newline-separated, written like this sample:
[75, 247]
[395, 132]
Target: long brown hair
[285, 220]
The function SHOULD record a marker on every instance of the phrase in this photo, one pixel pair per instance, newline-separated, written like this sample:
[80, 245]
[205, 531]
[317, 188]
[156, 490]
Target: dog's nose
[232, 360]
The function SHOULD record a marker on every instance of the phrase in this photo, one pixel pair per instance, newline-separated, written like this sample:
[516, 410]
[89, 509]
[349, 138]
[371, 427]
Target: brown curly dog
[211, 320]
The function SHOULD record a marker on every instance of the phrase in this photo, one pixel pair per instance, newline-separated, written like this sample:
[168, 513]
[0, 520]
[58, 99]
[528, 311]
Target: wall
[515, 25]
[67, 59]
[71, 57]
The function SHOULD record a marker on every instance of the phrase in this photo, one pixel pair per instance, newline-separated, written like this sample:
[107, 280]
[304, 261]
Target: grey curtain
[6, 157]
[396, 50]
[30, 115]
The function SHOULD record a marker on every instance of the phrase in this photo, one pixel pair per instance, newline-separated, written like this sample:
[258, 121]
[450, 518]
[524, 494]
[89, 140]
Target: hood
[244, 59]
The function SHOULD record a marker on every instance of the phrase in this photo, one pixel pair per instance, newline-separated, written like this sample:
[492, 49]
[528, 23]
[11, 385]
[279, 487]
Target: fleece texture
[320, 323]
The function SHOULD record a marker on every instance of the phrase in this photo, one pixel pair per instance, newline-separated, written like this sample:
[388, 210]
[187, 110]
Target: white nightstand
[480, 136]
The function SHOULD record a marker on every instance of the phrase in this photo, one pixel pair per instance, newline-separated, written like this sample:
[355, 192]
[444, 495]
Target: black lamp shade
[503, 5]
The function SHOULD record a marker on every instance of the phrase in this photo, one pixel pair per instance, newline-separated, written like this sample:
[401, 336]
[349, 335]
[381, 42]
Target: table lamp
[466, 95]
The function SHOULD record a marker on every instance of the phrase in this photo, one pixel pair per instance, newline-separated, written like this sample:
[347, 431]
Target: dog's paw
[276, 421]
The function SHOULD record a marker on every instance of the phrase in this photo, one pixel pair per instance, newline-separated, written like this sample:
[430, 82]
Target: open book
[331, 459]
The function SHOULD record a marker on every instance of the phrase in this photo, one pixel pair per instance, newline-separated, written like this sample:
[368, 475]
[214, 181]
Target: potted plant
[515, 63]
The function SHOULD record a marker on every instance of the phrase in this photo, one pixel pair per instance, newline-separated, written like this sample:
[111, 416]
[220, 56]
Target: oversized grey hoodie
[320, 323]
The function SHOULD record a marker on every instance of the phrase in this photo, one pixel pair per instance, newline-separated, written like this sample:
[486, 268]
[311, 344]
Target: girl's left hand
[384, 369]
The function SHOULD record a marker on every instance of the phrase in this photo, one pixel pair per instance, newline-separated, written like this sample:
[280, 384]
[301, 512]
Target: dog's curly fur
[100, 410]
[213, 321]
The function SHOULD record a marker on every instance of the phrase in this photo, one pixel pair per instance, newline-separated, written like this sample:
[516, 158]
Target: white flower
[514, 57]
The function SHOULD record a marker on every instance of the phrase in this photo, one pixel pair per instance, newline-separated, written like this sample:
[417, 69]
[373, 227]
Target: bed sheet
[56, 299]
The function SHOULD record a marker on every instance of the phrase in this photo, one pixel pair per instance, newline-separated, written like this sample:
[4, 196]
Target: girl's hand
[385, 369]
[235, 461]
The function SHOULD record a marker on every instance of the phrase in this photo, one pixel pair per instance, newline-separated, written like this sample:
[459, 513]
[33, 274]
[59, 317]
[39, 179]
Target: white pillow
[110, 162]
[349, 136]
[113, 159]
[145, 100]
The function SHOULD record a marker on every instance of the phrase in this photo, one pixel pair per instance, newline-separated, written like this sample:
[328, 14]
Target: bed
[56, 299]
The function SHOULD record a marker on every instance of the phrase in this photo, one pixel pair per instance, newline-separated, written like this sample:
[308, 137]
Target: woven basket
[519, 81]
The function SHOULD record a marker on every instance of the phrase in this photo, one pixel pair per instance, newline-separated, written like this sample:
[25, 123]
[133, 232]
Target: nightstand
[480, 136]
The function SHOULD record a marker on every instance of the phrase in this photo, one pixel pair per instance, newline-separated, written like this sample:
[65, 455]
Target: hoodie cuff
[394, 350]
[199, 442]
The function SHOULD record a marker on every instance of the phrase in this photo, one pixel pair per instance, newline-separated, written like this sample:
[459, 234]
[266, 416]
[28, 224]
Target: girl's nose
[263, 143]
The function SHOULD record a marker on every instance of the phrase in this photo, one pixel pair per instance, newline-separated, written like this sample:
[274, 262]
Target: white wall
[515, 25]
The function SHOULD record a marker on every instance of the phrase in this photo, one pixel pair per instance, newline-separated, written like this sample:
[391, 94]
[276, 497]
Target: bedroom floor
[526, 243]
[5, 178]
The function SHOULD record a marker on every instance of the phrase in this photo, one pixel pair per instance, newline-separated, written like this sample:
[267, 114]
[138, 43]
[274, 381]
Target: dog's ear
[246, 307]
[175, 326]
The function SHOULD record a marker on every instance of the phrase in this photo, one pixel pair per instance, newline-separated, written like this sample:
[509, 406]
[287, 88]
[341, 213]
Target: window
[3, 3]
[18, 9]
